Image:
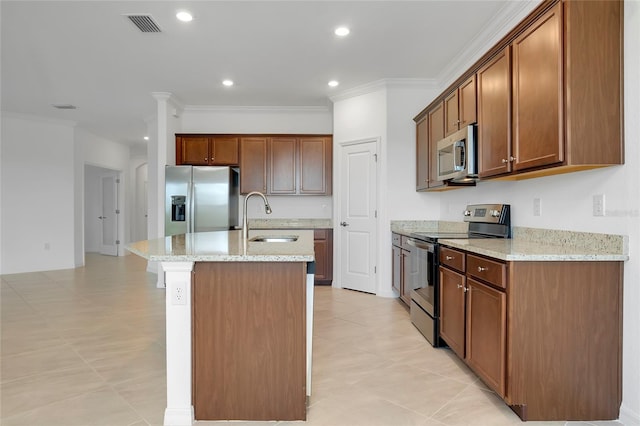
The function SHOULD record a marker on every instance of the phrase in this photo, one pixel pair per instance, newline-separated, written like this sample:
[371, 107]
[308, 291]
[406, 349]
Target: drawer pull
[481, 269]
[448, 257]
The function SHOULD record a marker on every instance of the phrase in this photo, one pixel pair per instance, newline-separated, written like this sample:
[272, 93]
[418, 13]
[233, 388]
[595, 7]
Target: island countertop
[227, 246]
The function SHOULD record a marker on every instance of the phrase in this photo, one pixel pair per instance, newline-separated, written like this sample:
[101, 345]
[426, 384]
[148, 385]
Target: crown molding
[386, 83]
[265, 108]
[509, 15]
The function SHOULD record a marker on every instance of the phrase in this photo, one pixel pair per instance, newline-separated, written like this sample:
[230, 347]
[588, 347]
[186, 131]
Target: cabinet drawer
[396, 240]
[487, 270]
[452, 258]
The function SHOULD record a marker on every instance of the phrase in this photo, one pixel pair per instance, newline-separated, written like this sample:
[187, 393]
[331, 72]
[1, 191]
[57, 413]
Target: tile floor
[86, 346]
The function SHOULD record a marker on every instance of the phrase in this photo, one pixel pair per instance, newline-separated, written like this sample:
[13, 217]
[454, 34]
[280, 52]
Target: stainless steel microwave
[457, 156]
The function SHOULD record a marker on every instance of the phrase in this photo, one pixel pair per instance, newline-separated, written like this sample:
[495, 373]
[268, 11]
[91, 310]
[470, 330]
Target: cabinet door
[315, 165]
[436, 132]
[494, 115]
[282, 162]
[422, 155]
[467, 102]
[451, 117]
[538, 117]
[323, 247]
[486, 334]
[194, 150]
[405, 287]
[224, 151]
[452, 312]
[253, 164]
[396, 267]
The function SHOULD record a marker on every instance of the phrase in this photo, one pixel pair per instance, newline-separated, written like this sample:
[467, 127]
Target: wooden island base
[249, 340]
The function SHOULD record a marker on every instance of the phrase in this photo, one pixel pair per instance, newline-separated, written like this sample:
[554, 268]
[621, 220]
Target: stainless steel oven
[485, 221]
[423, 292]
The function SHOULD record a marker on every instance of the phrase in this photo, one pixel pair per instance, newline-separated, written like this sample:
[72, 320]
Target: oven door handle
[420, 244]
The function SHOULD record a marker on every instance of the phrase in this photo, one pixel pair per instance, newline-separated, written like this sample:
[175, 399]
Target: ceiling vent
[65, 106]
[145, 23]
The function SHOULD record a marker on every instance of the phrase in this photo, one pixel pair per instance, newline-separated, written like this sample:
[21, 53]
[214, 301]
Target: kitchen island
[239, 318]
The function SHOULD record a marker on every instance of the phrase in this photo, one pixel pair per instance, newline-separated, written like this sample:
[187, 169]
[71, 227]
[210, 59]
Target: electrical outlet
[598, 205]
[179, 295]
[537, 207]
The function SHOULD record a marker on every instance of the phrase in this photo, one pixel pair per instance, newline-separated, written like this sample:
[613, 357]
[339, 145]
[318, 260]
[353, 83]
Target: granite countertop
[523, 250]
[290, 223]
[227, 246]
[529, 244]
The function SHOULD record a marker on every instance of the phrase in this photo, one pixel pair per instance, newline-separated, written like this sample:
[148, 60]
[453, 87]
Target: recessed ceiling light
[184, 16]
[146, 138]
[341, 31]
[333, 83]
[227, 83]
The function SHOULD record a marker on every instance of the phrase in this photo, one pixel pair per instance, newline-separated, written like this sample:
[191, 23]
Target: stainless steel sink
[274, 238]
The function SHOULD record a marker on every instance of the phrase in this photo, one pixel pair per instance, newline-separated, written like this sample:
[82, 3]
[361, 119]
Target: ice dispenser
[178, 206]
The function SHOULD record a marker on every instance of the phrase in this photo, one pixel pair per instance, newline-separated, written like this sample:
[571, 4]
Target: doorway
[357, 218]
[102, 211]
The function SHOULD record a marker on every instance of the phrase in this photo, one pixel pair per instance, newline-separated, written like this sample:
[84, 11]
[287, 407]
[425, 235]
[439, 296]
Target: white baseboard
[628, 417]
[178, 416]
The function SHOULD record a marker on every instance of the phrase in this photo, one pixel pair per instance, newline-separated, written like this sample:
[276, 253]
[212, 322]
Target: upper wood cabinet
[204, 150]
[422, 154]
[253, 164]
[315, 159]
[460, 106]
[435, 119]
[549, 94]
[538, 126]
[283, 165]
[286, 165]
[494, 115]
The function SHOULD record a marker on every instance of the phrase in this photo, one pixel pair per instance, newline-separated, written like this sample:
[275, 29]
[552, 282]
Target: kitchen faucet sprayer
[245, 225]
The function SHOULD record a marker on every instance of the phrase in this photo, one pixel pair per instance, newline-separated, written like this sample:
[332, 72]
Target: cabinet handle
[460, 286]
[504, 160]
[481, 269]
[449, 257]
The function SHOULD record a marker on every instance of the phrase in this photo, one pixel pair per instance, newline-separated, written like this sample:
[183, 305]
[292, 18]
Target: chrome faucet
[245, 225]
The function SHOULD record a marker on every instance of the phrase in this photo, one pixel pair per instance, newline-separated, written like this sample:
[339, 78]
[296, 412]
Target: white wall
[43, 173]
[37, 179]
[385, 111]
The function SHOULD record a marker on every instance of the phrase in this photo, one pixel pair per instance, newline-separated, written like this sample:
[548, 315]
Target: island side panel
[249, 341]
[565, 339]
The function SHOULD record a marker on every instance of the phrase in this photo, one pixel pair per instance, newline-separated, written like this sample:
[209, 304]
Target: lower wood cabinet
[486, 333]
[249, 341]
[323, 247]
[544, 335]
[401, 267]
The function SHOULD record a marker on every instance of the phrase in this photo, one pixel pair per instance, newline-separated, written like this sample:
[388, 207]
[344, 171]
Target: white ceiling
[279, 53]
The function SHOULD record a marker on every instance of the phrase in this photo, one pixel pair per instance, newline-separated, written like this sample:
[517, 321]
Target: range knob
[495, 213]
[467, 212]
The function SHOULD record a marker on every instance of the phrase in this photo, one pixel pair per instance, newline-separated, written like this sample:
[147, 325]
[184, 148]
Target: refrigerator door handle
[192, 205]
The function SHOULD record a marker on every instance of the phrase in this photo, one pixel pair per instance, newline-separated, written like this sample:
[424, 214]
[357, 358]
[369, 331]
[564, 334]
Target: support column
[179, 411]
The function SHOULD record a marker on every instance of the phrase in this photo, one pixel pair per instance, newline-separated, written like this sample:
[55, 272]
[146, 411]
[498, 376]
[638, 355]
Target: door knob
[344, 224]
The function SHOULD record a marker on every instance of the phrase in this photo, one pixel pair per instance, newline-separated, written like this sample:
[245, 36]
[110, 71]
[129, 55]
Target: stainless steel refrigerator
[200, 199]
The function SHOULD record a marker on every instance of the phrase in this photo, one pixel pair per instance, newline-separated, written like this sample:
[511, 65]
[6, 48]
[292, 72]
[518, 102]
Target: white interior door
[109, 216]
[358, 205]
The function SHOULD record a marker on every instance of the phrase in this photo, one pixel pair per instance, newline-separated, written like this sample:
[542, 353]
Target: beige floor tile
[86, 346]
[32, 392]
[38, 362]
[102, 407]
